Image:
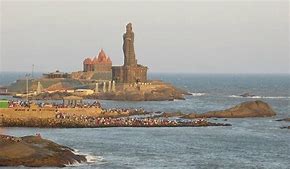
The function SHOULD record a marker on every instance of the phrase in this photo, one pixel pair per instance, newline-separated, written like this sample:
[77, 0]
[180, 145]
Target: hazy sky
[194, 37]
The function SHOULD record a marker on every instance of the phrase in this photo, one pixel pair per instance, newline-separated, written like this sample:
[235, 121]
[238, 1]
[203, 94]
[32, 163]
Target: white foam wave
[90, 159]
[74, 164]
[94, 159]
[235, 96]
[198, 94]
[261, 97]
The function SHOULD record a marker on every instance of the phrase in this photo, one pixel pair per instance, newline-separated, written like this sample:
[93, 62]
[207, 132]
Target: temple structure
[101, 63]
[57, 74]
[131, 71]
[100, 66]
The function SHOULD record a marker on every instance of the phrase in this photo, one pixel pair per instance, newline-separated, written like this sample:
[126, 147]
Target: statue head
[129, 27]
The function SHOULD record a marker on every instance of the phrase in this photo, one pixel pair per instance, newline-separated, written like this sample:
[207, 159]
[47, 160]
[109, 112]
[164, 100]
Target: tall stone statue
[128, 47]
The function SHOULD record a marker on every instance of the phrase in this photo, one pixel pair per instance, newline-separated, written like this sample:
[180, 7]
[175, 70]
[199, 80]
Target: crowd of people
[114, 117]
[135, 122]
[7, 138]
[18, 103]
[127, 121]
[23, 103]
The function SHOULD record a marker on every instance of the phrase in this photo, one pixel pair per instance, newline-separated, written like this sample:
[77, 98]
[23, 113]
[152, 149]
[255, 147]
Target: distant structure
[131, 71]
[100, 66]
[39, 88]
[3, 90]
[57, 74]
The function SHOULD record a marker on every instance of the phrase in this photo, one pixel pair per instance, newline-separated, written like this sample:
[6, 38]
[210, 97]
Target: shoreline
[94, 116]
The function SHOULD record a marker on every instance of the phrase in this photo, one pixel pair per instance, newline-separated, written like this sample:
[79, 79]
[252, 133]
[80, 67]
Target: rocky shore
[153, 91]
[34, 151]
[160, 93]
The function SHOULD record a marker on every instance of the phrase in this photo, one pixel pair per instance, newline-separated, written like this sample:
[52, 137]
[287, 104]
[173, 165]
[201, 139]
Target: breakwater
[91, 122]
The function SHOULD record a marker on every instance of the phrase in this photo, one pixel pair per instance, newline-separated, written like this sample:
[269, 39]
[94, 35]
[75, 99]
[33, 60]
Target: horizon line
[163, 72]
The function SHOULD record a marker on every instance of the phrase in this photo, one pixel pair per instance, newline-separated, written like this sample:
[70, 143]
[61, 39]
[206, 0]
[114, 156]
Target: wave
[94, 159]
[90, 159]
[198, 94]
[261, 97]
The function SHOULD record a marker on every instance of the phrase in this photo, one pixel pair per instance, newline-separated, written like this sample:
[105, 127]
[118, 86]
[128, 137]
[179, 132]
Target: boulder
[246, 109]
[34, 151]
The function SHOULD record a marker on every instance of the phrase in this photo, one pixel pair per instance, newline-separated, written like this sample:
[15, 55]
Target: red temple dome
[88, 61]
[95, 60]
[103, 58]
[109, 60]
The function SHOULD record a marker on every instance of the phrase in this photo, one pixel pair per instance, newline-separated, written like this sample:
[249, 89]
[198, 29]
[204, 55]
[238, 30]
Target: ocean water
[248, 143]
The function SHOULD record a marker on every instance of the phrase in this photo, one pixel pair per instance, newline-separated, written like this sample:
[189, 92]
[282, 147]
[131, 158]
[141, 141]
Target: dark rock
[168, 114]
[247, 95]
[286, 119]
[33, 151]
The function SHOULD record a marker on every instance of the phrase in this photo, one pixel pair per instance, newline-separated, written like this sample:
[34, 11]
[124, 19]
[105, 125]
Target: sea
[250, 143]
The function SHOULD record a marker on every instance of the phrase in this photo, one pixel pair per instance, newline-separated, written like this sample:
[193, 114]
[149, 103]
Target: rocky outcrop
[161, 92]
[169, 114]
[245, 109]
[51, 96]
[156, 91]
[286, 119]
[247, 95]
[34, 151]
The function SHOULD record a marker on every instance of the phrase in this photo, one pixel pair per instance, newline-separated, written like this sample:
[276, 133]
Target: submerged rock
[34, 151]
[247, 95]
[286, 119]
[170, 114]
[246, 109]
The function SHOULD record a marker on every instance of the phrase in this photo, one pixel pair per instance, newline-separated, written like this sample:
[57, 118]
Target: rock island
[100, 80]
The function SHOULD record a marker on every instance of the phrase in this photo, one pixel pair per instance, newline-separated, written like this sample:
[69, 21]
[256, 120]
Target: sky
[170, 36]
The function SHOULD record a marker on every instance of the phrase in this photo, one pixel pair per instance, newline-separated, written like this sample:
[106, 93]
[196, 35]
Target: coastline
[97, 117]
